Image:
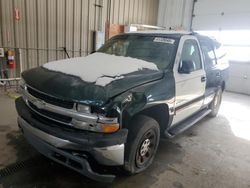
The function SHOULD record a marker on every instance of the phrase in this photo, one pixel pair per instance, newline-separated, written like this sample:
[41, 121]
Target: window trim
[212, 46]
[200, 54]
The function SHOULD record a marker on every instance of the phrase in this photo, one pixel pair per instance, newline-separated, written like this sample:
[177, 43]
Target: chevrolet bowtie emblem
[39, 103]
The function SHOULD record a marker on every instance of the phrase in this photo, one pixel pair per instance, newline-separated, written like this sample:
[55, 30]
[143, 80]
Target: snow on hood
[99, 68]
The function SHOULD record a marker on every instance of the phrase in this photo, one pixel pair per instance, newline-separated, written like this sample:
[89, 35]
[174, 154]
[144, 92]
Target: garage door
[228, 21]
[221, 15]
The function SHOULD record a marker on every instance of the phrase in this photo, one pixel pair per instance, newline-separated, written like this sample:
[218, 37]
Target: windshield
[159, 50]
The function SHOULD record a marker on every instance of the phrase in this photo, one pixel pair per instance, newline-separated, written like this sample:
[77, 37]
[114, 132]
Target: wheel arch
[159, 113]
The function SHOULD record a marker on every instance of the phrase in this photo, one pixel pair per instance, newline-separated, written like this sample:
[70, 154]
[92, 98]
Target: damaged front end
[70, 133]
[80, 124]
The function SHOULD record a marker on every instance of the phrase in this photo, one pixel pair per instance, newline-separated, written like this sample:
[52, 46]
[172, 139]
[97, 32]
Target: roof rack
[144, 26]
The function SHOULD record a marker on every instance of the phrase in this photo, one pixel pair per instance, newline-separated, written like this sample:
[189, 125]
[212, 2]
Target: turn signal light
[109, 128]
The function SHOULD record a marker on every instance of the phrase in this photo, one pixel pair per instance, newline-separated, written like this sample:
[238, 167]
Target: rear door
[213, 72]
[190, 88]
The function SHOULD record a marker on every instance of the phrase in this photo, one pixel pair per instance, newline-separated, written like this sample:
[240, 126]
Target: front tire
[142, 143]
[215, 104]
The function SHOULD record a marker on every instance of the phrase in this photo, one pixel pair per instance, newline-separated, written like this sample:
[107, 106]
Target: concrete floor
[214, 153]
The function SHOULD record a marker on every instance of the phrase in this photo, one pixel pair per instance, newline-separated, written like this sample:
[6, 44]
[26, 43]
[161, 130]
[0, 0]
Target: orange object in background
[112, 30]
[11, 59]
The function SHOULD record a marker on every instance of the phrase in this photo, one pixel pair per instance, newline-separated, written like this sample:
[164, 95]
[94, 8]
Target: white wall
[175, 13]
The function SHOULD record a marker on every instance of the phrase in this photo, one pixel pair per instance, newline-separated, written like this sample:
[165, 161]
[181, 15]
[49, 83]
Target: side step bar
[184, 125]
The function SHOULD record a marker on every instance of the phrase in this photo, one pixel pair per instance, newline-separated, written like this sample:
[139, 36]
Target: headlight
[95, 127]
[83, 108]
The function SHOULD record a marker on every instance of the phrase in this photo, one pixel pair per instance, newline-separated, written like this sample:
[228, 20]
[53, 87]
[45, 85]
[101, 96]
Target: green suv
[112, 107]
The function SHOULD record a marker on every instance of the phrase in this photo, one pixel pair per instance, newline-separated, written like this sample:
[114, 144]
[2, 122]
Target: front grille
[51, 115]
[53, 123]
[51, 100]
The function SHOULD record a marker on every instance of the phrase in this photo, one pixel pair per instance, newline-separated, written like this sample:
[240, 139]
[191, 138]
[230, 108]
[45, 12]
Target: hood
[70, 88]
[100, 68]
[73, 87]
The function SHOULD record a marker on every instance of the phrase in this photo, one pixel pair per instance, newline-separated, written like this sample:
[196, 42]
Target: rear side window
[220, 53]
[191, 52]
[209, 55]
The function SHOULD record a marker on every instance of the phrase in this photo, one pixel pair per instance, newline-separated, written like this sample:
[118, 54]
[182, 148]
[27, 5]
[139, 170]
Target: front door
[190, 87]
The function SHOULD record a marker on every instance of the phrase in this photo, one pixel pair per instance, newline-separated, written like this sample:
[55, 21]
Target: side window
[191, 53]
[209, 55]
[220, 53]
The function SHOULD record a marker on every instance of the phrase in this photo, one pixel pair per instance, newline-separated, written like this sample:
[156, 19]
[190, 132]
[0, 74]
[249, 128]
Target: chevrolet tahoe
[112, 107]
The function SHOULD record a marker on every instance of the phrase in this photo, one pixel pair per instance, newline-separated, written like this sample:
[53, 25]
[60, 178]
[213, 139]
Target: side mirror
[186, 67]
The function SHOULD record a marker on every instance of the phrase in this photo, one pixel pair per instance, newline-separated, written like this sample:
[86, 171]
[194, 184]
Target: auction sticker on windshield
[164, 40]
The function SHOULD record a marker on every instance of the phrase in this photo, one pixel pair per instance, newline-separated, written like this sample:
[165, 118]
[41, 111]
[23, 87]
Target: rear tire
[142, 143]
[215, 104]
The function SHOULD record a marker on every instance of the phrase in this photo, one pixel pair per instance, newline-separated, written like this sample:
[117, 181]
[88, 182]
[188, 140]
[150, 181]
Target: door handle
[218, 74]
[203, 78]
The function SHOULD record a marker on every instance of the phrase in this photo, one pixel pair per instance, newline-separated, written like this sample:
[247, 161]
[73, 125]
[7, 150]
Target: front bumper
[70, 148]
